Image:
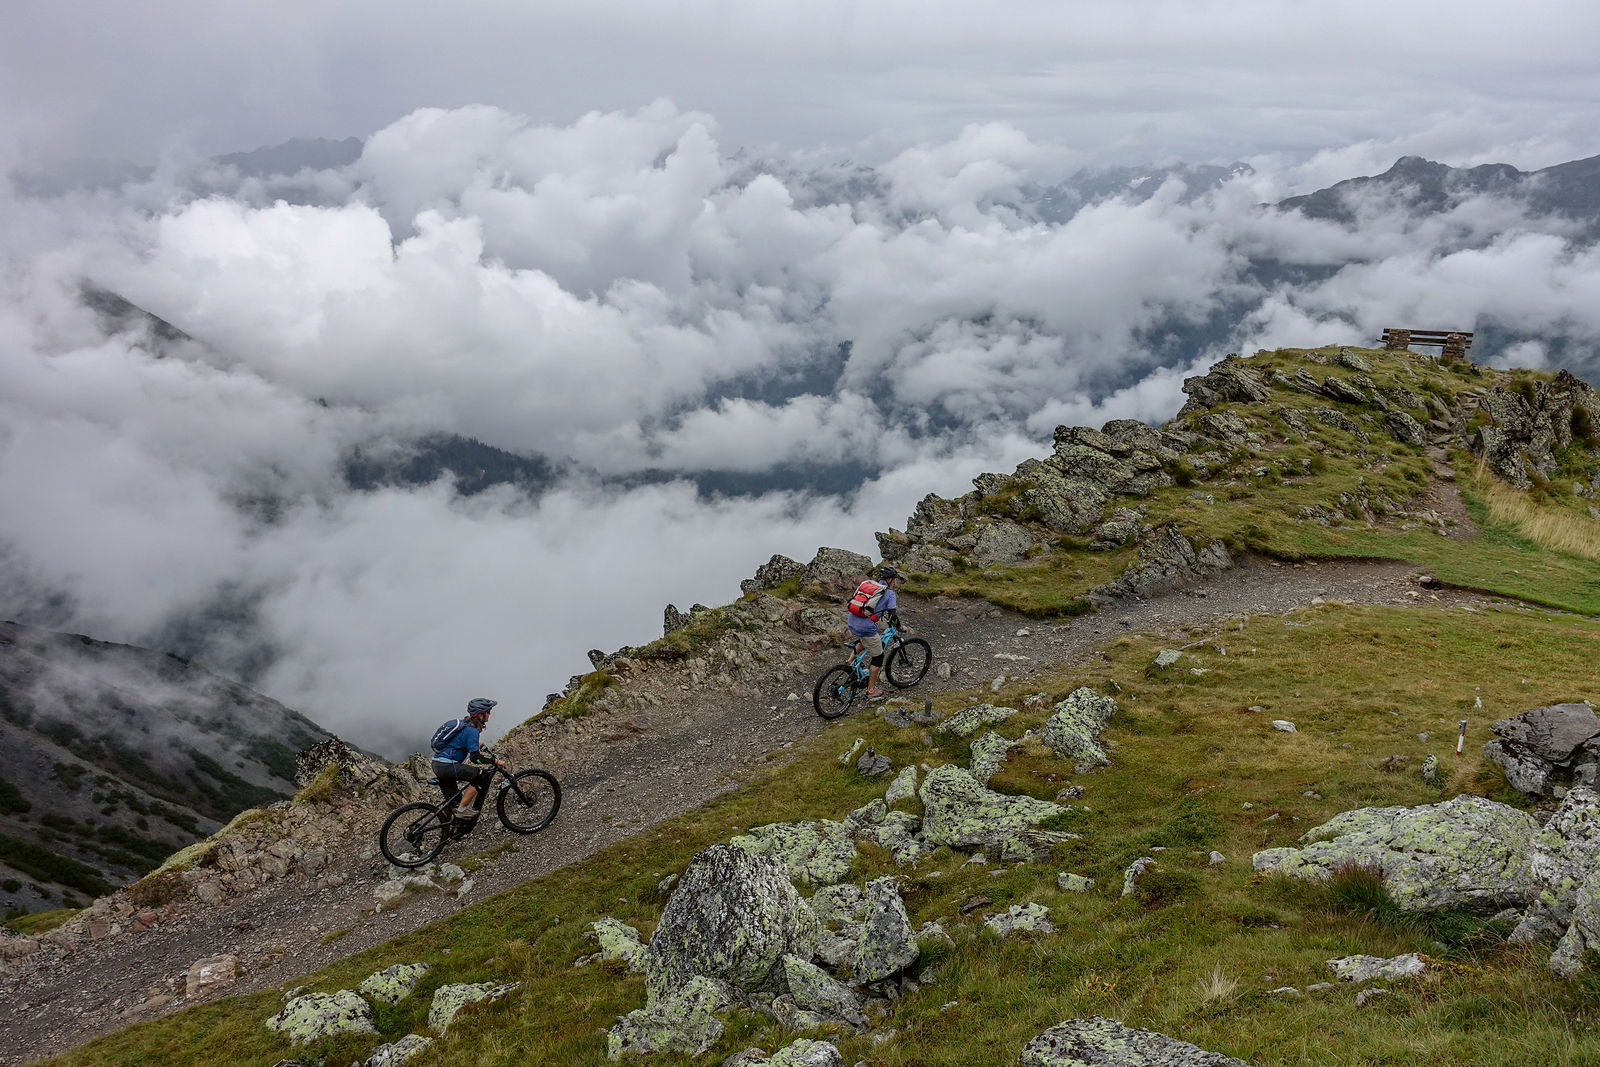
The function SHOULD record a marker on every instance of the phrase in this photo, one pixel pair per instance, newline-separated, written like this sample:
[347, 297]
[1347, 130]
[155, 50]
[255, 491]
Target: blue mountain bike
[905, 663]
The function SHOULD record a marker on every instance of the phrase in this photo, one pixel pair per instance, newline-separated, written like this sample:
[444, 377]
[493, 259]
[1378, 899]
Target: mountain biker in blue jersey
[872, 601]
[464, 762]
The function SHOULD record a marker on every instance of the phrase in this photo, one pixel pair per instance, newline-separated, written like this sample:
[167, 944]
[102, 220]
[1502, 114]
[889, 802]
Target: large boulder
[1547, 748]
[392, 984]
[1073, 729]
[317, 1015]
[818, 852]
[959, 812]
[1225, 381]
[1167, 562]
[969, 721]
[1564, 856]
[1063, 502]
[683, 1020]
[355, 769]
[733, 916]
[1098, 1042]
[448, 1000]
[886, 943]
[1467, 853]
[836, 568]
[1583, 934]
[814, 989]
[1001, 542]
[771, 574]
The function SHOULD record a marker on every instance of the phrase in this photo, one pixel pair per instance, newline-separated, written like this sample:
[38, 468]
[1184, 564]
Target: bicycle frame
[859, 662]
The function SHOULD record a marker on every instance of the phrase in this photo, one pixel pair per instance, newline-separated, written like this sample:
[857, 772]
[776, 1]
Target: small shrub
[1181, 470]
[320, 789]
[1162, 887]
[154, 890]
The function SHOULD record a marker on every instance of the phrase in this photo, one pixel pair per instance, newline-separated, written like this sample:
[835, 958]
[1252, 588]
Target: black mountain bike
[905, 663]
[414, 833]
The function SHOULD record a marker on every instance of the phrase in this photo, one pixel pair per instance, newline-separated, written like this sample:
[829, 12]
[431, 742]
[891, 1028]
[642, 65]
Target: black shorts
[453, 776]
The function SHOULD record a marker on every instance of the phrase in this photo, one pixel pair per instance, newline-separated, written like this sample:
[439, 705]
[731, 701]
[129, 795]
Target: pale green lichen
[988, 755]
[818, 852]
[1074, 729]
[393, 984]
[618, 941]
[961, 813]
[1099, 1042]
[1028, 918]
[886, 944]
[805, 1052]
[1466, 853]
[316, 1015]
[904, 786]
[450, 999]
[683, 1022]
[814, 989]
[398, 1053]
[969, 721]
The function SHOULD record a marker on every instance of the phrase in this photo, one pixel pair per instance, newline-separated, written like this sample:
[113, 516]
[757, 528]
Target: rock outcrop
[1099, 1042]
[1548, 749]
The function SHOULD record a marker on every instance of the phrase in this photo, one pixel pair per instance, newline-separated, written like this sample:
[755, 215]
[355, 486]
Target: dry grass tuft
[1553, 528]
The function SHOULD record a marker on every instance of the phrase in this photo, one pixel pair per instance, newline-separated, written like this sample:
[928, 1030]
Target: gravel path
[688, 753]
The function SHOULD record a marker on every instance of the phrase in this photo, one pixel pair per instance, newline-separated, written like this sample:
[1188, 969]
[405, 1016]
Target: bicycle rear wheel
[835, 691]
[908, 662]
[532, 809]
[412, 835]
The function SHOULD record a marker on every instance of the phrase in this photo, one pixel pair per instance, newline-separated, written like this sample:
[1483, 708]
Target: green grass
[40, 922]
[1191, 955]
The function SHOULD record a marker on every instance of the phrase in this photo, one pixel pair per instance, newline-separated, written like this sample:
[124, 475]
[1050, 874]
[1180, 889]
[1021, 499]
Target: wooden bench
[1453, 344]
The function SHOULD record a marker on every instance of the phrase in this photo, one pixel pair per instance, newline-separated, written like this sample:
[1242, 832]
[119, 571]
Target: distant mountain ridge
[1571, 190]
[114, 756]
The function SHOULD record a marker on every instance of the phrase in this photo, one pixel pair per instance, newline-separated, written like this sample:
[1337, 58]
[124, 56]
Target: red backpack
[864, 604]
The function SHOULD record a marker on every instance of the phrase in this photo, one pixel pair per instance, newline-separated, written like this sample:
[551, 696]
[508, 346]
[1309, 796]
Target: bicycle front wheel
[529, 807]
[412, 835]
[835, 691]
[908, 662]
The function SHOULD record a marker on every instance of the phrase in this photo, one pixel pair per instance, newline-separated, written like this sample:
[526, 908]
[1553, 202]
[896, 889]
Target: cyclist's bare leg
[464, 805]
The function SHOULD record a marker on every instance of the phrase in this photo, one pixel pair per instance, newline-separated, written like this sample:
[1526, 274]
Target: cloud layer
[624, 295]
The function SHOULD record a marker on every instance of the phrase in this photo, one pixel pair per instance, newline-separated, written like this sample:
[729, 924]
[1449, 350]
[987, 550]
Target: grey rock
[1100, 1042]
[318, 1015]
[1135, 872]
[818, 852]
[1030, 918]
[989, 755]
[617, 941]
[1074, 726]
[807, 1053]
[869, 814]
[872, 763]
[1343, 391]
[1347, 358]
[1405, 429]
[394, 983]
[1167, 562]
[840, 904]
[1565, 853]
[1366, 996]
[1001, 542]
[814, 989]
[733, 916]
[1074, 883]
[448, 1000]
[969, 721]
[1583, 933]
[1553, 733]
[887, 944]
[1523, 770]
[1467, 853]
[683, 1021]
[400, 1052]
[775, 572]
[1366, 968]
[1223, 382]
[961, 813]
[1121, 528]
[904, 786]
[836, 567]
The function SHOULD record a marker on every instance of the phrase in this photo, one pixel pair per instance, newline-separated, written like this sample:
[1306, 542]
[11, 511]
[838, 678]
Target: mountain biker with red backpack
[460, 760]
[872, 600]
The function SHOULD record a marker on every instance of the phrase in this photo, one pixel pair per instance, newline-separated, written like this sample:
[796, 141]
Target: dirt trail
[689, 752]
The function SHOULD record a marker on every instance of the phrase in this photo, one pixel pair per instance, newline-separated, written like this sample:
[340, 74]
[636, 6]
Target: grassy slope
[1256, 502]
[1192, 959]
[1187, 757]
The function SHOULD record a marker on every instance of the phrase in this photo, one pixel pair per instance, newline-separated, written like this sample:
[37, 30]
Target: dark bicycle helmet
[886, 572]
[480, 705]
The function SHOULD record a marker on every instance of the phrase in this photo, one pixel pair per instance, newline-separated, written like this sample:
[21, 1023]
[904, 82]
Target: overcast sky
[555, 240]
[1121, 80]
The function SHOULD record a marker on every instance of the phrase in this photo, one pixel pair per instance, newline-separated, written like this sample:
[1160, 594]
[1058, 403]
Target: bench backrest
[1453, 342]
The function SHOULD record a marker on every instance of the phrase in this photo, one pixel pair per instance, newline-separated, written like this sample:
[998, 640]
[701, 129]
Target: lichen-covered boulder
[886, 944]
[733, 916]
[616, 941]
[1405, 429]
[316, 1015]
[1073, 728]
[393, 984]
[814, 989]
[398, 1053]
[959, 812]
[1167, 562]
[1027, 918]
[450, 999]
[1098, 1042]
[969, 721]
[989, 755]
[807, 1053]
[1565, 853]
[683, 1021]
[904, 786]
[1548, 746]
[1001, 542]
[1368, 968]
[819, 852]
[898, 833]
[836, 905]
[1583, 932]
[836, 567]
[1467, 853]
